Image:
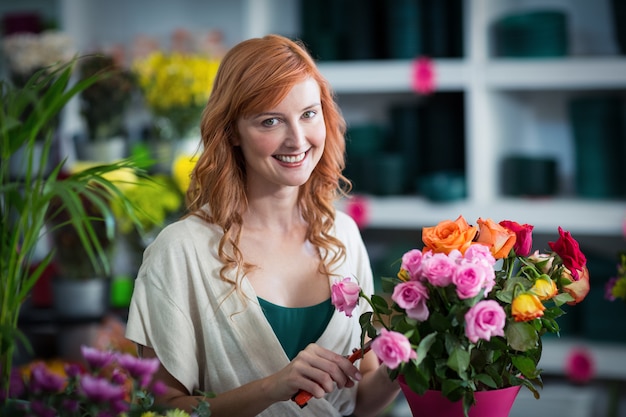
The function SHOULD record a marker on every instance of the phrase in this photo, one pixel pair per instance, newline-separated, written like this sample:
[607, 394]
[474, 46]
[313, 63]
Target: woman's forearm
[376, 390]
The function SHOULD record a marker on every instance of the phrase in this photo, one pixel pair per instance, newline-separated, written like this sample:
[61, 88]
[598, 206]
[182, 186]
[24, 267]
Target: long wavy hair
[256, 75]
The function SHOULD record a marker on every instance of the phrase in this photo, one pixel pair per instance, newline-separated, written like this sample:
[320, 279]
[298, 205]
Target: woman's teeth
[291, 159]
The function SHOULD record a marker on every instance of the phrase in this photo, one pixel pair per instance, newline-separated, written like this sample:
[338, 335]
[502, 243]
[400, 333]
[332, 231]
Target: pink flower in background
[357, 207]
[579, 365]
[344, 295]
[392, 348]
[484, 320]
[423, 76]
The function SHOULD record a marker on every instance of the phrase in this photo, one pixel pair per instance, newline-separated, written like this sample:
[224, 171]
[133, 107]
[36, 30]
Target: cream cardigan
[208, 338]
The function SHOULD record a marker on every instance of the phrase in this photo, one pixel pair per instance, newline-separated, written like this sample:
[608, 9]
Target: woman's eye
[270, 122]
[309, 114]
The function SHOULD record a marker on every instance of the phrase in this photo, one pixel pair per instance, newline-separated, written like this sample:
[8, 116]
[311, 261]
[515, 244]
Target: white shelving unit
[507, 100]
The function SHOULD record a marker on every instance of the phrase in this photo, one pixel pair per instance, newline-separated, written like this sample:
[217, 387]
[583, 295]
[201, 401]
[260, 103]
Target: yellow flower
[527, 307]
[175, 80]
[181, 171]
[544, 288]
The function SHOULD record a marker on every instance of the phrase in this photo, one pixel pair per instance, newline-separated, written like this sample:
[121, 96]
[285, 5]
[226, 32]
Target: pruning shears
[302, 397]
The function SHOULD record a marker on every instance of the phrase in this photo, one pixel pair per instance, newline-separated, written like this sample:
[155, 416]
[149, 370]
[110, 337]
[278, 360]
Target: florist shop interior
[500, 109]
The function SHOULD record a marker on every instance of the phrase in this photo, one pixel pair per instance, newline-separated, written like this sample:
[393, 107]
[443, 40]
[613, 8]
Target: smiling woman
[258, 252]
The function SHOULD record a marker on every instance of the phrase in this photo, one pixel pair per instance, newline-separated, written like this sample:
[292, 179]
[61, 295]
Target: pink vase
[494, 403]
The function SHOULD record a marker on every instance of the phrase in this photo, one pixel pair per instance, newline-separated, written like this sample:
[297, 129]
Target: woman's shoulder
[187, 231]
[345, 224]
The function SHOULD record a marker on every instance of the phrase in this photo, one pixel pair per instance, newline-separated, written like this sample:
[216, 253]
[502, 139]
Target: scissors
[302, 397]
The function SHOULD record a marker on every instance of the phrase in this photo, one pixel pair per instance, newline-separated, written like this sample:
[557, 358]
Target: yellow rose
[449, 235]
[544, 288]
[527, 307]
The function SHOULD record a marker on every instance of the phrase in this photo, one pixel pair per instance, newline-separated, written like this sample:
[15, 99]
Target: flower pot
[107, 151]
[494, 403]
[80, 299]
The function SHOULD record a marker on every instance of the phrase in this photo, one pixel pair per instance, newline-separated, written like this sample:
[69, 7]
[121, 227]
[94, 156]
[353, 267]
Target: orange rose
[578, 289]
[526, 307]
[499, 239]
[544, 288]
[449, 235]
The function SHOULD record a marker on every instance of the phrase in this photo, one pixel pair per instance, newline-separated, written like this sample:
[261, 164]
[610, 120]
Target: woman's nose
[296, 135]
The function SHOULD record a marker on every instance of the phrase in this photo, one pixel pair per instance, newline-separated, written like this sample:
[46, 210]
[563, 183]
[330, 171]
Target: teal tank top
[296, 327]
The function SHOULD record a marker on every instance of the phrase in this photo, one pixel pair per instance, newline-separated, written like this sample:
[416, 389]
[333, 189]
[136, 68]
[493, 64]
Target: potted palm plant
[25, 200]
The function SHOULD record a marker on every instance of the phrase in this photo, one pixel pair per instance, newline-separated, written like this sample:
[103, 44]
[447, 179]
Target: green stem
[376, 312]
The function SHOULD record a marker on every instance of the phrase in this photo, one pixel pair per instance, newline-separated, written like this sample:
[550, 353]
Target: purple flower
[100, 390]
[159, 388]
[97, 359]
[39, 409]
[608, 289]
[42, 380]
[140, 369]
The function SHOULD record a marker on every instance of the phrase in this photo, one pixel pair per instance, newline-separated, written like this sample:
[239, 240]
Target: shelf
[365, 77]
[576, 216]
[555, 74]
[607, 357]
[368, 77]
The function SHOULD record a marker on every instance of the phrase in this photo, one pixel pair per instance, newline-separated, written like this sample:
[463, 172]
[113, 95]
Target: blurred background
[502, 109]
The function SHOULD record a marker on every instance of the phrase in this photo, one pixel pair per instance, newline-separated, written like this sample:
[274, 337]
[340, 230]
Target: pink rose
[479, 253]
[579, 365]
[469, 279]
[392, 348]
[344, 295]
[412, 296]
[438, 269]
[412, 263]
[484, 320]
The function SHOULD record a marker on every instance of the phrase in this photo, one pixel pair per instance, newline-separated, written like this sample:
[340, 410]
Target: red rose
[524, 237]
[569, 251]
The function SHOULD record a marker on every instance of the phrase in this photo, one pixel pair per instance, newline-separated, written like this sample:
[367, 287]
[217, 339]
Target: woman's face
[282, 145]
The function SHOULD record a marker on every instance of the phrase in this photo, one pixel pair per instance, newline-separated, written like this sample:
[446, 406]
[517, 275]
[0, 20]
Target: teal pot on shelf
[75, 299]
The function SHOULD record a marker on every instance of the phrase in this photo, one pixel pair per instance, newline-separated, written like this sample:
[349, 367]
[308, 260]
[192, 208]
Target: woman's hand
[315, 370]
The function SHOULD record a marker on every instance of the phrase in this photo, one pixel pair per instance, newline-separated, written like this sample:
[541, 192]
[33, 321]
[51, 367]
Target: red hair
[256, 75]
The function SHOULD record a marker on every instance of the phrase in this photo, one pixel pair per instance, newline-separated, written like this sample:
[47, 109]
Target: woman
[234, 299]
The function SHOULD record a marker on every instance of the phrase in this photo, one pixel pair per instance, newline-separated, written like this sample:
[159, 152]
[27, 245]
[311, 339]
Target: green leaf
[526, 365]
[459, 361]
[521, 336]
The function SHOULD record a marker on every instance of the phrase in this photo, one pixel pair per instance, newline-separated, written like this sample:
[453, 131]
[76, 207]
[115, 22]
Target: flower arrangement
[467, 312]
[28, 53]
[111, 384]
[104, 104]
[616, 286]
[176, 86]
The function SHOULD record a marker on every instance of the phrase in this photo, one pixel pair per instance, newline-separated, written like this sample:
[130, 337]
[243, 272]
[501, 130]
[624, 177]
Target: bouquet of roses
[467, 312]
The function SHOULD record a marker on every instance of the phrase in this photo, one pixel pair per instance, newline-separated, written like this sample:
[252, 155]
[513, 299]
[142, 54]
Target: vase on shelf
[493, 403]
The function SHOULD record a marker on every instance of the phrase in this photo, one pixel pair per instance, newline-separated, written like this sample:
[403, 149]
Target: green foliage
[27, 125]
